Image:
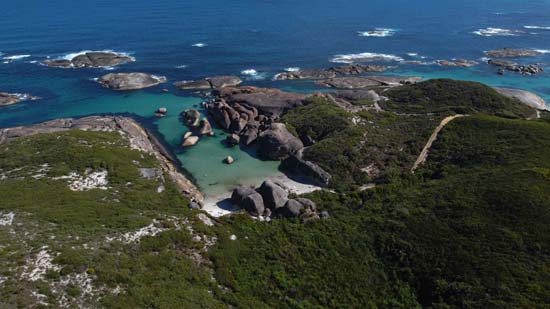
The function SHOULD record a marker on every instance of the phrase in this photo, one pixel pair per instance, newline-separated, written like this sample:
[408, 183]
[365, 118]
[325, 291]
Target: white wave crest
[497, 32]
[292, 69]
[543, 51]
[183, 66]
[365, 57]
[378, 32]
[199, 45]
[15, 57]
[253, 74]
[537, 27]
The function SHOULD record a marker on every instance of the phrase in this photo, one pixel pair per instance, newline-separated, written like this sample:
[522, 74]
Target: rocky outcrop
[130, 81]
[277, 143]
[271, 200]
[190, 141]
[14, 98]
[209, 83]
[528, 69]
[127, 127]
[296, 164]
[463, 63]
[91, 60]
[205, 128]
[273, 195]
[513, 53]
[191, 117]
[351, 69]
[362, 82]
[525, 97]
[266, 101]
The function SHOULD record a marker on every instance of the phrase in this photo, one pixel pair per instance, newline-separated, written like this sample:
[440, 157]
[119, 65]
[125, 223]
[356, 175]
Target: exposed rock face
[277, 143]
[356, 95]
[205, 128]
[529, 69]
[267, 101]
[367, 82]
[300, 207]
[274, 196]
[233, 140]
[525, 97]
[271, 199]
[351, 69]
[130, 130]
[130, 81]
[14, 98]
[457, 63]
[296, 163]
[209, 83]
[191, 117]
[190, 141]
[240, 193]
[91, 60]
[254, 204]
[513, 53]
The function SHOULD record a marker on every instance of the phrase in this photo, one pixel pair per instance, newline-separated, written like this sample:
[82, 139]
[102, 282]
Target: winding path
[424, 154]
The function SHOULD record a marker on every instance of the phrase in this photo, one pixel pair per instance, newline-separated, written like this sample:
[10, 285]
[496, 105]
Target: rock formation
[130, 81]
[91, 60]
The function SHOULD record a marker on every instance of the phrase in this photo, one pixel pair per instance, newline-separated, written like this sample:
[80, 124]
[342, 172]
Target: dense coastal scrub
[468, 230]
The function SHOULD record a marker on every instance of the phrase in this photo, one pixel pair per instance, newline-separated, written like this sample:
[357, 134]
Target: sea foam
[15, 57]
[537, 27]
[292, 69]
[199, 45]
[497, 32]
[71, 56]
[378, 32]
[365, 57]
[253, 74]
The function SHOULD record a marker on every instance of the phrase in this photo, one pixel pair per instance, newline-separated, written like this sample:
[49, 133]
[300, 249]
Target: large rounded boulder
[274, 196]
[277, 143]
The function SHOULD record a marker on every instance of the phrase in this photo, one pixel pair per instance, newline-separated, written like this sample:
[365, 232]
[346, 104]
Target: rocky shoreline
[14, 98]
[137, 136]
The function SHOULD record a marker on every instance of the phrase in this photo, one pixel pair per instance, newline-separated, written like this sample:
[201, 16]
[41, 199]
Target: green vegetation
[462, 233]
[446, 96]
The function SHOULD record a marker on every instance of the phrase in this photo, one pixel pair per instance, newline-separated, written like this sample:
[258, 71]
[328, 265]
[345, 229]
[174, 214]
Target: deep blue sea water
[263, 35]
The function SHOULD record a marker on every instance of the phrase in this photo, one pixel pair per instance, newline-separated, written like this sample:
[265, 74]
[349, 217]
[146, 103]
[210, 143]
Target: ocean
[185, 40]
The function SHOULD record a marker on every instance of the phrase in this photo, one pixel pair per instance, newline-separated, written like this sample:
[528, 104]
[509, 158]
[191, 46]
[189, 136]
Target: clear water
[267, 36]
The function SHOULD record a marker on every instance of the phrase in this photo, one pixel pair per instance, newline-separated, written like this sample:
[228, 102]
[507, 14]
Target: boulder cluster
[91, 60]
[345, 70]
[198, 126]
[271, 199]
[506, 65]
[209, 83]
[130, 81]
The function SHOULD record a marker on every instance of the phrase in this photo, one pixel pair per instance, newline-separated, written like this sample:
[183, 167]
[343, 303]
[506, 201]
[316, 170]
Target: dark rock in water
[267, 101]
[457, 63]
[254, 204]
[307, 168]
[130, 81]
[191, 117]
[192, 85]
[351, 69]
[233, 140]
[205, 128]
[277, 143]
[274, 196]
[250, 135]
[224, 81]
[529, 69]
[513, 53]
[91, 60]
[14, 98]
[367, 82]
[240, 193]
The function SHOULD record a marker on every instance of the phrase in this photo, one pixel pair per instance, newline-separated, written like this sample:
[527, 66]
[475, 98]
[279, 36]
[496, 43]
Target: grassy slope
[445, 96]
[74, 226]
[471, 230]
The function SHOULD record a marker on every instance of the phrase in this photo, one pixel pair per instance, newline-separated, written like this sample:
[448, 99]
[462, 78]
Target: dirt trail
[424, 154]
